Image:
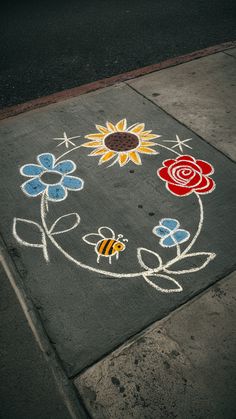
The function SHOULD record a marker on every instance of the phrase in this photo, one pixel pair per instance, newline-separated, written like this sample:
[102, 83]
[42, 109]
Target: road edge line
[109, 81]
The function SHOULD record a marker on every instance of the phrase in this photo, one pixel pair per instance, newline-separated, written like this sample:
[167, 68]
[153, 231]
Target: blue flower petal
[181, 236]
[31, 170]
[170, 223]
[168, 242]
[73, 183]
[47, 160]
[33, 187]
[65, 167]
[160, 231]
[56, 192]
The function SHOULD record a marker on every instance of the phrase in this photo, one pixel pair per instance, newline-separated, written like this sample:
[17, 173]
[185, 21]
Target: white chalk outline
[68, 229]
[65, 140]
[42, 245]
[210, 257]
[179, 143]
[164, 290]
[148, 273]
[123, 275]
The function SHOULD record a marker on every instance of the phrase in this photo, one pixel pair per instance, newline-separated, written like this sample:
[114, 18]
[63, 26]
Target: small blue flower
[50, 177]
[170, 233]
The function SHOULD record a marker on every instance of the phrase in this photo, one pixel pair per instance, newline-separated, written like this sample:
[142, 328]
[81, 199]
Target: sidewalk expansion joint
[229, 55]
[179, 122]
[136, 336]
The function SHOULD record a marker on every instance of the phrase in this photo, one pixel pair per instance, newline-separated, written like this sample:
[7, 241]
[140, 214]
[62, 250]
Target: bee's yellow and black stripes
[105, 247]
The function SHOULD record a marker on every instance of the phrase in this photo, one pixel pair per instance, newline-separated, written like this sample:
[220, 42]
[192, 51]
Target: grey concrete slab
[200, 94]
[231, 51]
[86, 313]
[27, 386]
[183, 367]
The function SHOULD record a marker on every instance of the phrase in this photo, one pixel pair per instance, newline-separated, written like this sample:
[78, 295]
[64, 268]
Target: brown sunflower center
[121, 141]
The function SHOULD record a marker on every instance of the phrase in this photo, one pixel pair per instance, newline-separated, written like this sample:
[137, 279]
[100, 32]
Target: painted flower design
[169, 232]
[50, 177]
[185, 175]
[121, 143]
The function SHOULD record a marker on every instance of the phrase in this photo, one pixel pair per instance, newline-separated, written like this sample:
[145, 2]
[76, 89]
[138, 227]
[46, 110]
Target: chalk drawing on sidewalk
[179, 143]
[121, 143]
[169, 232]
[183, 175]
[49, 177]
[105, 243]
[66, 141]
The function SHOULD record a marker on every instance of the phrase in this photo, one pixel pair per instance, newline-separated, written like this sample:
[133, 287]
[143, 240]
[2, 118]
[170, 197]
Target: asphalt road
[51, 46]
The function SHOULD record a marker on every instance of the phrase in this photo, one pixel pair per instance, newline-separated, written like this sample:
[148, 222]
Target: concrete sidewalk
[62, 249]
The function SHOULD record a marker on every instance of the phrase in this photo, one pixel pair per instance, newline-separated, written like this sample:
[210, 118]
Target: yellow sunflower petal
[138, 128]
[121, 125]
[95, 136]
[107, 157]
[147, 150]
[102, 129]
[123, 159]
[147, 143]
[146, 132]
[135, 157]
[92, 144]
[98, 151]
[149, 136]
[111, 127]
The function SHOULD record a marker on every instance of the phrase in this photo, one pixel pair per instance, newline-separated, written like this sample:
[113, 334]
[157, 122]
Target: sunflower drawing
[121, 143]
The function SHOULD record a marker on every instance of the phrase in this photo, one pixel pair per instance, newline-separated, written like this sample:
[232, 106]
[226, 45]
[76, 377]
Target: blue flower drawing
[170, 233]
[51, 178]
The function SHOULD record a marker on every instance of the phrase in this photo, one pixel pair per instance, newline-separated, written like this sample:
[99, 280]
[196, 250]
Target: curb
[90, 87]
[65, 387]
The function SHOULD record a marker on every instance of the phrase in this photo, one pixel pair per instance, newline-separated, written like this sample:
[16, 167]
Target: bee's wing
[106, 232]
[91, 238]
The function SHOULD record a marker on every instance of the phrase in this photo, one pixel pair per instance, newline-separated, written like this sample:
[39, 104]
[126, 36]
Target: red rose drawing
[185, 175]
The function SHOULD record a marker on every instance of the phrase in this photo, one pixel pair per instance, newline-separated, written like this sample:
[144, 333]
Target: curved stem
[44, 206]
[67, 152]
[114, 274]
[177, 258]
[178, 249]
[169, 149]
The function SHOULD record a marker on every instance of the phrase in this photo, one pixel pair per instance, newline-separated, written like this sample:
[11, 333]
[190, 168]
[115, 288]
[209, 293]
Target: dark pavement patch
[51, 46]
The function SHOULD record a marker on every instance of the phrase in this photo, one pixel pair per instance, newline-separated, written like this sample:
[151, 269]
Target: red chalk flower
[185, 175]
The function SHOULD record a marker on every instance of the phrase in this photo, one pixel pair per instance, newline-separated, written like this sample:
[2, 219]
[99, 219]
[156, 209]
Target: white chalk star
[65, 140]
[179, 143]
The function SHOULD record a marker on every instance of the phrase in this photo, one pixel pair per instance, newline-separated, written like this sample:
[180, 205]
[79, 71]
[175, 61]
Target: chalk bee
[105, 243]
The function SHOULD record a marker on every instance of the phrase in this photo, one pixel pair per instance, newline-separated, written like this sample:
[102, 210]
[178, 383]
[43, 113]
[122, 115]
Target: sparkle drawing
[121, 143]
[179, 143]
[51, 179]
[105, 243]
[66, 141]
